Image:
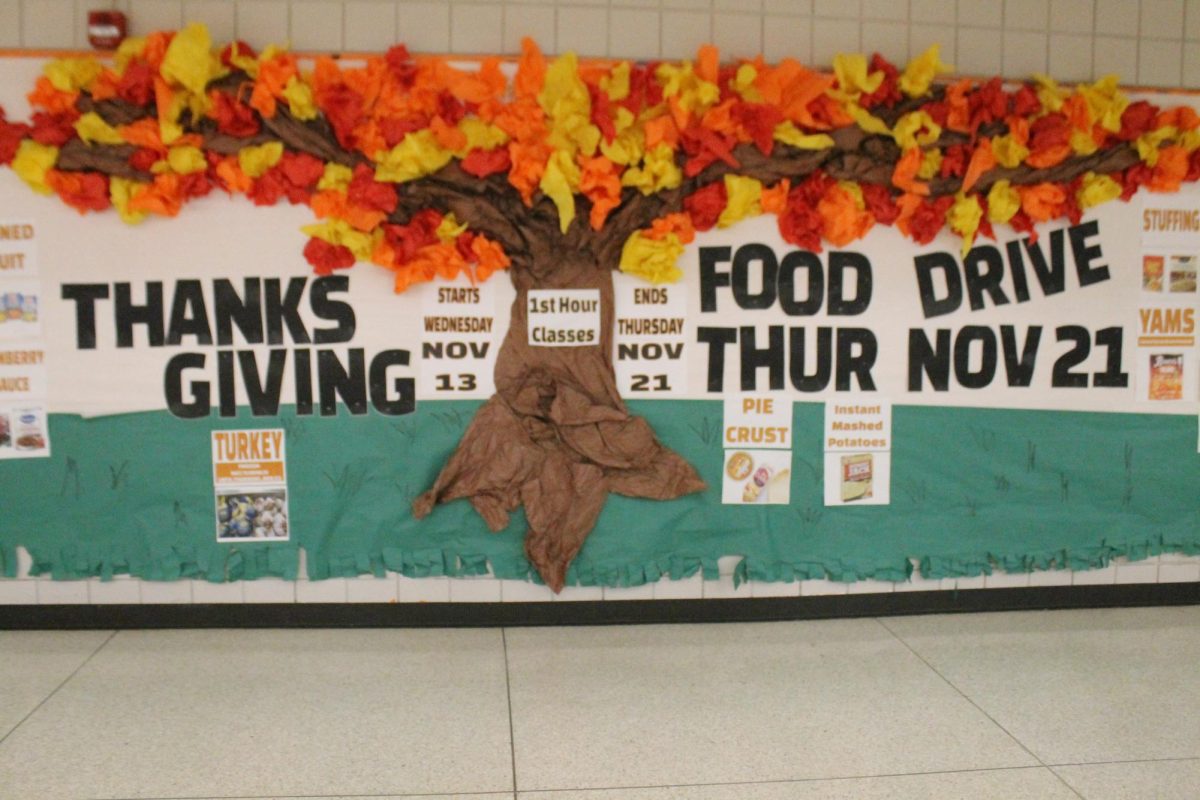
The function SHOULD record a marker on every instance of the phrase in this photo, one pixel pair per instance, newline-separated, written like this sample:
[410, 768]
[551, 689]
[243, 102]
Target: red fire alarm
[106, 29]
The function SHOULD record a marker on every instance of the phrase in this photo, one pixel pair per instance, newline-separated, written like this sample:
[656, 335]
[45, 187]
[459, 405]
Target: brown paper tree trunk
[556, 437]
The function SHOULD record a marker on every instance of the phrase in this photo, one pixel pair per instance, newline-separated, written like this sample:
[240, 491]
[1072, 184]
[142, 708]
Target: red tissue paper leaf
[396, 128]
[482, 163]
[1131, 179]
[243, 49]
[759, 120]
[137, 84]
[704, 148]
[407, 239]
[343, 107]
[880, 203]
[401, 65]
[367, 192]
[11, 134]
[194, 184]
[82, 191]
[143, 159]
[326, 257]
[602, 113]
[928, 219]
[705, 205]
[301, 169]
[1025, 102]
[954, 161]
[888, 93]
[233, 118]
[1137, 119]
[53, 129]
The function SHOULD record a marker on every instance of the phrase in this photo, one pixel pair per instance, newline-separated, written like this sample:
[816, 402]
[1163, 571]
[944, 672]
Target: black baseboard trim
[611, 612]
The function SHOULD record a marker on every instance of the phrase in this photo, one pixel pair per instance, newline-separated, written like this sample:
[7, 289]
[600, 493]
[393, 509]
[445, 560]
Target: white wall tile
[885, 9]
[583, 30]
[833, 36]
[370, 26]
[332, 590]
[572, 594]
[723, 589]
[424, 590]
[1160, 63]
[683, 32]
[1137, 572]
[48, 23]
[61, 592]
[683, 589]
[1070, 57]
[474, 590]
[269, 590]
[369, 589]
[1178, 573]
[121, 591]
[172, 592]
[1113, 56]
[524, 592]
[803, 7]
[921, 37]
[940, 11]
[965, 584]
[1162, 19]
[1119, 17]
[871, 587]
[981, 13]
[774, 588]
[262, 22]
[424, 26]
[633, 33]
[787, 37]
[18, 593]
[476, 28]
[978, 52]
[1095, 577]
[889, 39]
[1027, 15]
[1074, 16]
[1191, 65]
[219, 15]
[10, 23]
[820, 586]
[1006, 580]
[147, 16]
[535, 22]
[748, 6]
[1050, 577]
[205, 592]
[643, 592]
[317, 25]
[843, 9]
[1192, 22]
[1024, 53]
[738, 35]
[655, 4]
[692, 4]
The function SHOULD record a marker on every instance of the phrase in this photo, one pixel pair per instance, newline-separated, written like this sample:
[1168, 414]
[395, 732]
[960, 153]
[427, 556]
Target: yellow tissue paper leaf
[120, 192]
[658, 171]
[745, 196]
[189, 61]
[449, 229]
[654, 260]
[1008, 151]
[964, 217]
[853, 77]
[299, 96]
[921, 71]
[186, 160]
[256, 160]
[789, 134]
[336, 177]
[31, 163]
[417, 154]
[559, 182]
[1096, 190]
[1003, 202]
[92, 129]
[340, 232]
[72, 74]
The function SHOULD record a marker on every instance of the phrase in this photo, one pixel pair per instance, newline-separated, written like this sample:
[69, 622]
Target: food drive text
[840, 284]
[262, 311]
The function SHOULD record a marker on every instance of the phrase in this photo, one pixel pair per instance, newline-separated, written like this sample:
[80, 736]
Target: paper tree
[566, 171]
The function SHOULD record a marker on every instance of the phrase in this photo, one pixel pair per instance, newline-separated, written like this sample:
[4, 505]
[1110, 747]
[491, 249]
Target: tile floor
[1064, 704]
